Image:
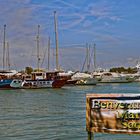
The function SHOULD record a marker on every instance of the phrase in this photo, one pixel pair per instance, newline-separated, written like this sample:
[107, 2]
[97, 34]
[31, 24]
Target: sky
[113, 25]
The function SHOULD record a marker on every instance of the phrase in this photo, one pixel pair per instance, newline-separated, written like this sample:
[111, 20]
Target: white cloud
[102, 11]
[86, 21]
[71, 21]
[68, 4]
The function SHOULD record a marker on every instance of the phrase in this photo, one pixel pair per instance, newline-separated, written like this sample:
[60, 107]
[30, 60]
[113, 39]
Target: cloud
[102, 10]
[68, 4]
[78, 22]
[87, 16]
[71, 21]
[87, 23]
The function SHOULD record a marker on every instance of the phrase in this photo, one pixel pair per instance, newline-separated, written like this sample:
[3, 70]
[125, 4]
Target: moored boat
[10, 83]
[84, 79]
[112, 77]
[68, 75]
[44, 80]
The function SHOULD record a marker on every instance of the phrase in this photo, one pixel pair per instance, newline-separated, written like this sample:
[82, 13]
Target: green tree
[123, 70]
[28, 70]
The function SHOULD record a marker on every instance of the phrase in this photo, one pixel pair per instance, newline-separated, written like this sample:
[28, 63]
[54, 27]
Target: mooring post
[90, 136]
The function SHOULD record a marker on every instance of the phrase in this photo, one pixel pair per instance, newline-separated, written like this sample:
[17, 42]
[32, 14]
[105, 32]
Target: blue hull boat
[10, 83]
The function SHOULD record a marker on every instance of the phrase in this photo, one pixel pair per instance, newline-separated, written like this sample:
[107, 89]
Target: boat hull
[71, 82]
[115, 81]
[32, 84]
[89, 81]
[10, 83]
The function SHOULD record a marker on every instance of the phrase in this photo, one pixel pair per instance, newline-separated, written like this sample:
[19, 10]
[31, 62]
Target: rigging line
[84, 60]
[84, 64]
[90, 60]
[44, 56]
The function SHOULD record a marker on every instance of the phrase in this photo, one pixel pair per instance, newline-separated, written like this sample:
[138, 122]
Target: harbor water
[53, 114]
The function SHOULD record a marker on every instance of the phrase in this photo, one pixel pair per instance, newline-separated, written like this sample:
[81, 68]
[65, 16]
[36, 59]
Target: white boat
[137, 75]
[84, 79]
[8, 73]
[112, 77]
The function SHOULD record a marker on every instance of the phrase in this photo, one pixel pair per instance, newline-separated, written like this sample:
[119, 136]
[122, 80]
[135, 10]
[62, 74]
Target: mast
[37, 39]
[4, 47]
[56, 39]
[8, 57]
[87, 54]
[94, 57]
[89, 57]
[86, 58]
[49, 54]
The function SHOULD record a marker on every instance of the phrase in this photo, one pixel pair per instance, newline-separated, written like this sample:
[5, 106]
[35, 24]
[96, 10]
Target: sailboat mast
[56, 39]
[49, 54]
[88, 57]
[87, 54]
[37, 39]
[4, 47]
[8, 57]
[94, 57]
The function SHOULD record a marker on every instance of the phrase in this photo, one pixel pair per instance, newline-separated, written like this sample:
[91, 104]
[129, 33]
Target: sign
[113, 113]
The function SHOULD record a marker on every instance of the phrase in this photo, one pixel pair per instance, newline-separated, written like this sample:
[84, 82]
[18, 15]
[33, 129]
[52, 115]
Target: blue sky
[114, 25]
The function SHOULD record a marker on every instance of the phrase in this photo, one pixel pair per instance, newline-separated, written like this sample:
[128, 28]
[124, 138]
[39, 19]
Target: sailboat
[43, 79]
[85, 78]
[7, 81]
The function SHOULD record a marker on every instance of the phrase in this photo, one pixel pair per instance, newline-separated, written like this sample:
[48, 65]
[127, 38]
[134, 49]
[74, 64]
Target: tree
[124, 70]
[28, 70]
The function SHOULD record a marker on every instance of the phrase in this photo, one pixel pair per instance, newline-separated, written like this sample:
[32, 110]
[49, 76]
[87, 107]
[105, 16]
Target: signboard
[113, 113]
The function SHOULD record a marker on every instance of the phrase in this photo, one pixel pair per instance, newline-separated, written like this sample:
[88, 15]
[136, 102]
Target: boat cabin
[49, 76]
[52, 75]
[38, 75]
[44, 75]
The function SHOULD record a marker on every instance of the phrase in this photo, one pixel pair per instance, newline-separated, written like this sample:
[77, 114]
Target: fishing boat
[44, 80]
